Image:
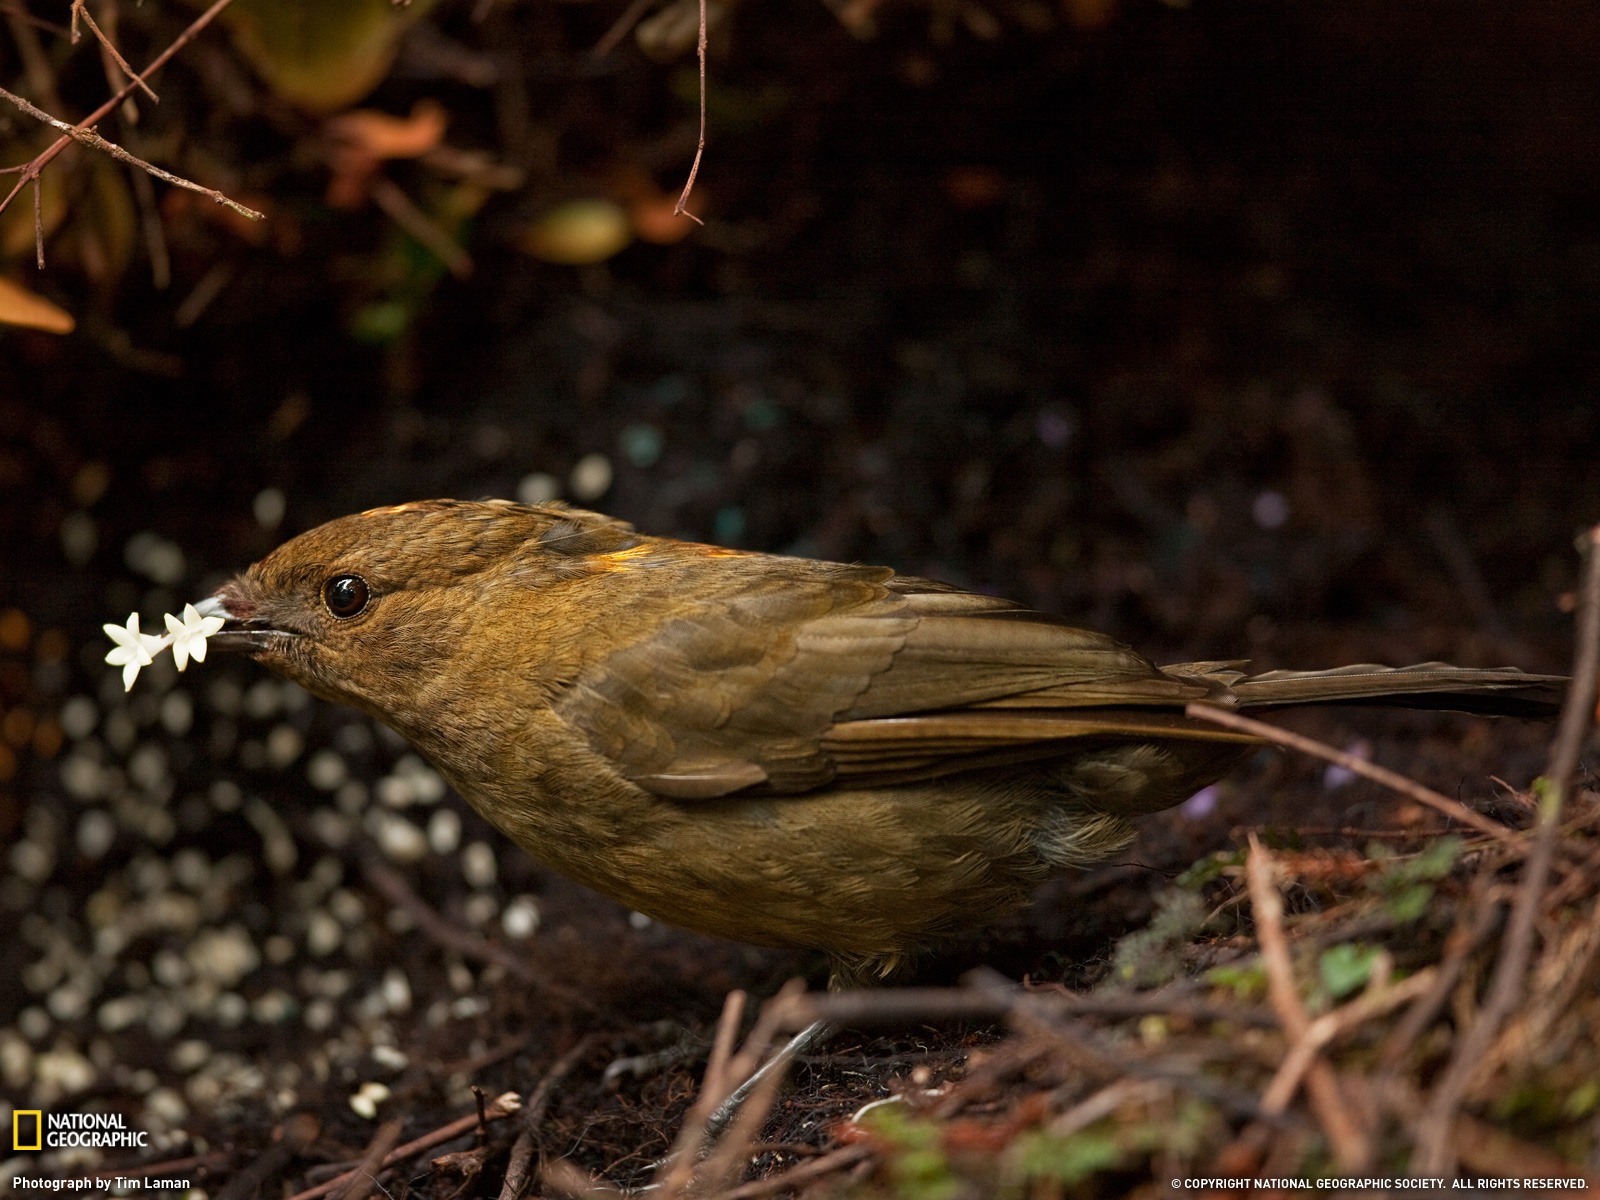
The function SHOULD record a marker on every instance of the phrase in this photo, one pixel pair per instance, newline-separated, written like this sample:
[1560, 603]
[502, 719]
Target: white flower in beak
[132, 650]
[189, 635]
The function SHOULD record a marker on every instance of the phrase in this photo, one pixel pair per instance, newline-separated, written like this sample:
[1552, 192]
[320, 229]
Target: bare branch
[700, 147]
[45, 157]
[1390, 779]
[1435, 1149]
[95, 142]
[79, 10]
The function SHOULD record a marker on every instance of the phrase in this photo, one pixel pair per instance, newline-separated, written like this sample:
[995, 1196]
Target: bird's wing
[796, 673]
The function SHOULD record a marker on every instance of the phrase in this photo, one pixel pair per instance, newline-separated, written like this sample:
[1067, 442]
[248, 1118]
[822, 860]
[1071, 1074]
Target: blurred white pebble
[269, 508]
[591, 477]
[444, 831]
[367, 1098]
[534, 488]
[521, 918]
[478, 865]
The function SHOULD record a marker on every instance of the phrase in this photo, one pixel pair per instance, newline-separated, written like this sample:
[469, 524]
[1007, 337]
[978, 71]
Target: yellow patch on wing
[393, 509]
[619, 559]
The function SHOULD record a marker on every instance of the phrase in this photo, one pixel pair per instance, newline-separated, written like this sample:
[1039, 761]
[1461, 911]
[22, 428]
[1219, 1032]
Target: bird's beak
[243, 631]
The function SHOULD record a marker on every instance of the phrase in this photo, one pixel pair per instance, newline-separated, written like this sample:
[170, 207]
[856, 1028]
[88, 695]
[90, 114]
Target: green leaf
[1247, 982]
[1409, 903]
[1346, 968]
[1068, 1160]
[1210, 867]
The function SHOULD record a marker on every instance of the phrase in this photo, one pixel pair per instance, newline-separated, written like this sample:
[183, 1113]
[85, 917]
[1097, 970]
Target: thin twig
[155, 234]
[1331, 1025]
[365, 1175]
[922, 1004]
[12, 9]
[80, 10]
[499, 1108]
[463, 941]
[215, 1161]
[620, 28]
[95, 142]
[1390, 779]
[728, 1158]
[700, 147]
[403, 211]
[38, 226]
[1491, 1151]
[35, 62]
[1322, 1085]
[1467, 936]
[815, 1169]
[46, 156]
[1435, 1150]
[291, 1137]
[533, 1109]
[714, 1089]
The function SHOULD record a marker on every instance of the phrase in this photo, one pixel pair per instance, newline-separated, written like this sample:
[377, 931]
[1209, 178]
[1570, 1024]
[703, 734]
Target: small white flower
[189, 635]
[132, 650]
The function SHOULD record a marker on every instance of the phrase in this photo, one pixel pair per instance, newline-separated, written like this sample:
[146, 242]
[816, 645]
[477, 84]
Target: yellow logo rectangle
[17, 1116]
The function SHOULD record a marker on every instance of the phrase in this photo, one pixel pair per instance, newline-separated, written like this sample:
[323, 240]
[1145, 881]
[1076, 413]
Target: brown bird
[769, 749]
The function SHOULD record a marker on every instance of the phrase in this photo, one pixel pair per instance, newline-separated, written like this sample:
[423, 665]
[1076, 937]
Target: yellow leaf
[19, 306]
[579, 232]
[321, 54]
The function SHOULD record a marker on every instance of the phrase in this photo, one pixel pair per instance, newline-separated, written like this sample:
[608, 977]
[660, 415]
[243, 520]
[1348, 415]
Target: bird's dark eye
[345, 595]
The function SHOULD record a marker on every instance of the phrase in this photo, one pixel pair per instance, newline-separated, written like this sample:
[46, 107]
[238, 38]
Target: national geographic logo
[31, 1129]
[27, 1129]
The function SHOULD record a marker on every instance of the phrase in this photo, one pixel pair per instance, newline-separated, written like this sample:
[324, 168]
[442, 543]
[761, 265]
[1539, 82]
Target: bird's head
[371, 609]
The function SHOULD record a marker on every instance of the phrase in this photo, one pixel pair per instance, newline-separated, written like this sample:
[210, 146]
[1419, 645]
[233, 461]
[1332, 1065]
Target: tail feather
[1498, 691]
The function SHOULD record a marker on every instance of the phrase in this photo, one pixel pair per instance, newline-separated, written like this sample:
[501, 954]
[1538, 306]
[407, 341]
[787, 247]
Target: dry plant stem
[1490, 1151]
[293, 1136]
[815, 1169]
[1390, 779]
[728, 1158]
[462, 941]
[901, 1004]
[214, 1161]
[14, 9]
[1322, 1085]
[620, 28]
[1103, 1103]
[533, 1109]
[500, 1107]
[1463, 940]
[79, 10]
[95, 142]
[403, 211]
[34, 166]
[700, 148]
[1331, 1025]
[1435, 1151]
[38, 226]
[366, 1173]
[679, 1166]
[35, 63]
[155, 235]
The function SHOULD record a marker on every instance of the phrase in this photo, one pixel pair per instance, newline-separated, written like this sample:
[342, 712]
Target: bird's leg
[685, 1048]
[814, 1034]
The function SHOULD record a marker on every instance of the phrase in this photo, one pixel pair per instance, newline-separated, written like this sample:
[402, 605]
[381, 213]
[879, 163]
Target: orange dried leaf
[383, 135]
[651, 210]
[19, 306]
